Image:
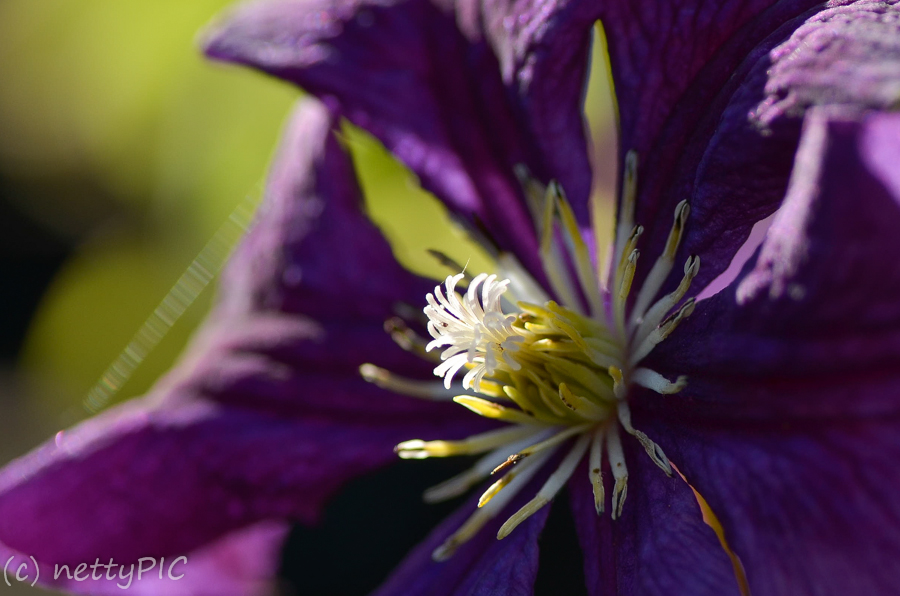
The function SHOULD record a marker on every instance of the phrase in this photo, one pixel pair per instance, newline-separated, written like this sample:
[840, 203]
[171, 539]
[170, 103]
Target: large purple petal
[659, 547]
[267, 416]
[789, 425]
[810, 508]
[141, 481]
[484, 566]
[461, 93]
[813, 327]
[718, 118]
[316, 251]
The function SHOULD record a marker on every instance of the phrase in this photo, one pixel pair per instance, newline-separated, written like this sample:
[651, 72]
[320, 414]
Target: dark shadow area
[366, 530]
[561, 568]
[375, 521]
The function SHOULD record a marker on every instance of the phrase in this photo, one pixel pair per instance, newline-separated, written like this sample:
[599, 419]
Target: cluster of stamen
[557, 373]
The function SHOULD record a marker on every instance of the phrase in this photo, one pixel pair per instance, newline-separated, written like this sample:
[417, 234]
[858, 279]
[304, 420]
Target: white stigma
[474, 331]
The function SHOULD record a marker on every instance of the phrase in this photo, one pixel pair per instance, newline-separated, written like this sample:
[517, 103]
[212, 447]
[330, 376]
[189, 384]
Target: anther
[460, 483]
[489, 409]
[583, 266]
[552, 486]
[484, 514]
[620, 390]
[412, 387]
[653, 450]
[418, 449]
[662, 332]
[658, 383]
[581, 405]
[406, 338]
[555, 266]
[658, 311]
[595, 464]
[619, 470]
[628, 200]
[541, 446]
[625, 288]
[663, 265]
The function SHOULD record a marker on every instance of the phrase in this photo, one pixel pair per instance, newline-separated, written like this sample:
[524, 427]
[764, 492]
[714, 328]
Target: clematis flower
[769, 406]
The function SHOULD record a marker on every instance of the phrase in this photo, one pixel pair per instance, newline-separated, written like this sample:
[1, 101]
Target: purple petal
[460, 94]
[789, 424]
[659, 547]
[808, 508]
[813, 328]
[267, 416]
[141, 481]
[712, 95]
[484, 566]
[316, 252]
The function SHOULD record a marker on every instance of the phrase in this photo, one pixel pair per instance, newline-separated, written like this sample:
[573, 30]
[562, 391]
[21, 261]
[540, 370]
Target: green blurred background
[121, 154]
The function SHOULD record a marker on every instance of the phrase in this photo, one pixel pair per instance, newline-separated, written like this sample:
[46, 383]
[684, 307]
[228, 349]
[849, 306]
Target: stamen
[555, 265]
[430, 390]
[619, 470]
[655, 381]
[489, 409]
[538, 447]
[552, 486]
[595, 464]
[580, 405]
[663, 265]
[629, 248]
[549, 396]
[525, 401]
[583, 266]
[418, 449]
[507, 478]
[560, 370]
[628, 200]
[482, 515]
[408, 339]
[653, 450]
[665, 304]
[662, 332]
[460, 483]
[624, 288]
[620, 390]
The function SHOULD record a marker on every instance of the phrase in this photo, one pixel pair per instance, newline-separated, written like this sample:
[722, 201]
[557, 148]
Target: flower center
[557, 374]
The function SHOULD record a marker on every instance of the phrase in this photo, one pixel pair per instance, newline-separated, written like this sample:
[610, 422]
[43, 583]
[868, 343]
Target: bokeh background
[122, 152]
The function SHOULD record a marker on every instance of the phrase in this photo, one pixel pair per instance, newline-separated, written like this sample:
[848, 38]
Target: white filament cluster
[476, 332]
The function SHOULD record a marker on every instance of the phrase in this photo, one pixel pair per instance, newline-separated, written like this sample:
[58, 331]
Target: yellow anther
[489, 409]
[627, 276]
[682, 211]
[495, 488]
[595, 465]
[627, 202]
